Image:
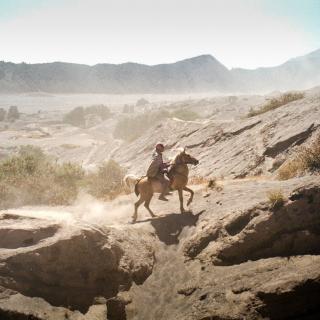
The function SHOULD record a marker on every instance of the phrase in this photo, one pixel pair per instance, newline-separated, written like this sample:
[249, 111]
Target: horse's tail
[136, 190]
[130, 180]
[131, 183]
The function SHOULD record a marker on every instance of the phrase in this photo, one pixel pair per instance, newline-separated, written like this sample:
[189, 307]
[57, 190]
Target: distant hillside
[199, 74]
[298, 73]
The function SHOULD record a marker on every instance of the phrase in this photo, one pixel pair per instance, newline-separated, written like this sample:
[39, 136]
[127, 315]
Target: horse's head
[185, 158]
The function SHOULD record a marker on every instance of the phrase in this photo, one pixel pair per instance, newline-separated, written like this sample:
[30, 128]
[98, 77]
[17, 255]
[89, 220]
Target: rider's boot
[163, 198]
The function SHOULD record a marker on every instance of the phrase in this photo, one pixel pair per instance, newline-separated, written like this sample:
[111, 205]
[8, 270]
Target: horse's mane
[175, 158]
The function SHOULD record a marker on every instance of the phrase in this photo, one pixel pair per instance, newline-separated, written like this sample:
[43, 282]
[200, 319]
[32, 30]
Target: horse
[178, 174]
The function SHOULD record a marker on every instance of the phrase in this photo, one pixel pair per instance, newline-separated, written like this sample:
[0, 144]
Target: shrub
[276, 103]
[3, 114]
[185, 114]
[107, 181]
[100, 110]
[130, 128]
[276, 199]
[69, 146]
[142, 102]
[195, 180]
[210, 183]
[307, 159]
[32, 178]
[13, 113]
[128, 108]
[75, 117]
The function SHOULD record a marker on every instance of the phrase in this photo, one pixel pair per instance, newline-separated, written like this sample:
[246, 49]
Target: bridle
[176, 163]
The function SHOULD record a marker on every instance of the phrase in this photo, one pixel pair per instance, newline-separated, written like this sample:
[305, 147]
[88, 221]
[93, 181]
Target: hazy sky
[239, 33]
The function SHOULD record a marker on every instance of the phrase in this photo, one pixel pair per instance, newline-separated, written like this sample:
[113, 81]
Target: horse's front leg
[181, 201]
[136, 206]
[191, 195]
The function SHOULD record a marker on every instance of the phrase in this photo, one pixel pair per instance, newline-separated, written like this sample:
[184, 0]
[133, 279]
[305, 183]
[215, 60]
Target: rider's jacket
[157, 165]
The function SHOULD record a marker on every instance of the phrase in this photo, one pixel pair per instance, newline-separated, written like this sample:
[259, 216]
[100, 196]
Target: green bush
[276, 103]
[130, 128]
[77, 116]
[32, 178]
[185, 114]
[13, 113]
[3, 114]
[100, 110]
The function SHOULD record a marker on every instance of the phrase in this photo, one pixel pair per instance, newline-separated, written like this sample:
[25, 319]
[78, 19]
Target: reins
[176, 172]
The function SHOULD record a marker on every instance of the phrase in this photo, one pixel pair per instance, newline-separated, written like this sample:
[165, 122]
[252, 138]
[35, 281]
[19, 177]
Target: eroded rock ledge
[69, 265]
[262, 231]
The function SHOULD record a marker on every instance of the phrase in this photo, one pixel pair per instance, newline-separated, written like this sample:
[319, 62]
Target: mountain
[203, 73]
[298, 73]
[199, 74]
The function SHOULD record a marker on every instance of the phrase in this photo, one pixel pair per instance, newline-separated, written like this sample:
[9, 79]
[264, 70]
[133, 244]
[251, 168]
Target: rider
[157, 169]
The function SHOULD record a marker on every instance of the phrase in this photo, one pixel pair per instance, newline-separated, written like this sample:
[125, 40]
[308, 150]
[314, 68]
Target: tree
[142, 102]
[75, 117]
[13, 113]
[100, 110]
[3, 114]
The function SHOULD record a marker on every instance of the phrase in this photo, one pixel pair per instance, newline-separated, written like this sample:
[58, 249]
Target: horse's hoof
[134, 220]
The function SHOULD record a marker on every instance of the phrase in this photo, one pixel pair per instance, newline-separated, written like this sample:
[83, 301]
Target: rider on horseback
[157, 170]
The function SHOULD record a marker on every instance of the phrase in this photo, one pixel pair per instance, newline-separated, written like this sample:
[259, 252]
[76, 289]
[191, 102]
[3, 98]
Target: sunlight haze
[245, 34]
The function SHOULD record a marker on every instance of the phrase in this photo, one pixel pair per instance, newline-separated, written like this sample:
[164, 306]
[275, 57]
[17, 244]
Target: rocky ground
[232, 148]
[235, 255]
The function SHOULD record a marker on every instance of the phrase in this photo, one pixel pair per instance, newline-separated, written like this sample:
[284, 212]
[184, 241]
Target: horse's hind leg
[136, 206]
[191, 195]
[146, 204]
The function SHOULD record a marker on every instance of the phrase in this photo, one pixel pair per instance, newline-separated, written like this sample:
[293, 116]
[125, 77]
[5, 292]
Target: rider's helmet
[159, 146]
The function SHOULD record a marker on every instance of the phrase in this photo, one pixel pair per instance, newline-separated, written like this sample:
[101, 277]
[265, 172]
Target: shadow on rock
[168, 228]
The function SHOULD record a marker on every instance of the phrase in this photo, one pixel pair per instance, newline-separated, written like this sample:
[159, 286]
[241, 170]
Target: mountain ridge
[203, 73]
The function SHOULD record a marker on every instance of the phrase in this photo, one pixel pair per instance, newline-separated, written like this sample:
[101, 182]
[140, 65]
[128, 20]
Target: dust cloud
[85, 210]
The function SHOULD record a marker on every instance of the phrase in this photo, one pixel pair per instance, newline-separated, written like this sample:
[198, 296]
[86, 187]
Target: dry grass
[276, 198]
[307, 159]
[106, 183]
[210, 183]
[276, 103]
[196, 180]
[69, 146]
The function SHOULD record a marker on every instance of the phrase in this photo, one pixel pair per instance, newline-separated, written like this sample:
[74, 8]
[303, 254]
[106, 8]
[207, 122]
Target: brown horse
[178, 174]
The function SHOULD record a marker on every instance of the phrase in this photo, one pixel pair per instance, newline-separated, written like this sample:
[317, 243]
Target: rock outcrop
[69, 264]
[262, 231]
